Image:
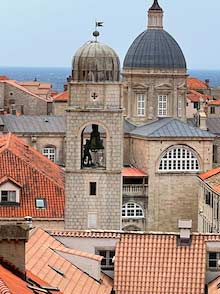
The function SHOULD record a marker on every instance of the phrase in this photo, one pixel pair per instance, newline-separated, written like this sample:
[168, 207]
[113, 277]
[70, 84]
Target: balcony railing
[135, 190]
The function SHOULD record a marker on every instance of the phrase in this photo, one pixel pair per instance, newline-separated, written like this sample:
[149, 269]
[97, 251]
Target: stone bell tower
[94, 156]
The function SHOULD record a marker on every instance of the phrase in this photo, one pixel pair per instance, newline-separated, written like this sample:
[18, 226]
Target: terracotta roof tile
[132, 172]
[87, 234]
[214, 102]
[43, 262]
[194, 83]
[154, 263]
[212, 179]
[209, 173]
[11, 284]
[61, 96]
[63, 249]
[213, 286]
[3, 78]
[37, 175]
[195, 96]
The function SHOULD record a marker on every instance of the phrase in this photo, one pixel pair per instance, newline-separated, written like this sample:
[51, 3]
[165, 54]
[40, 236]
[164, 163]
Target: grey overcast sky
[48, 32]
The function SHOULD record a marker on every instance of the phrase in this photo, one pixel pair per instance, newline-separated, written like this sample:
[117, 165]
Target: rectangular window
[212, 110]
[162, 105]
[92, 188]
[140, 105]
[107, 261]
[40, 203]
[215, 154]
[8, 196]
[196, 105]
[92, 220]
[214, 261]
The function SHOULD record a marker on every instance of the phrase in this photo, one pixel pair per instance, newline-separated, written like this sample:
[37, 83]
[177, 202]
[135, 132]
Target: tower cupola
[95, 62]
[155, 16]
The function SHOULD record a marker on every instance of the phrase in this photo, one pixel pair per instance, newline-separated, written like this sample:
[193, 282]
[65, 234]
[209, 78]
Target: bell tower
[94, 156]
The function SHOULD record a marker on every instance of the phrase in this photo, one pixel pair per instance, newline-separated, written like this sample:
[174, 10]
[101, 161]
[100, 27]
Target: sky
[48, 32]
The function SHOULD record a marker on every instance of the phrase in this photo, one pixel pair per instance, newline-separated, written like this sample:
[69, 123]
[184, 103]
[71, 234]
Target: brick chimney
[12, 246]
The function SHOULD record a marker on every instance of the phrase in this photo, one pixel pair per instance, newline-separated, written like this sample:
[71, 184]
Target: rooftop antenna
[96, 32]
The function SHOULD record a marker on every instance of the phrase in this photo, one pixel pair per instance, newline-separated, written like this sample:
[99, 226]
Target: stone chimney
[207, 81]
[185, 227]
[65, 87]
[202, 116]
[12, 246]
[155, 16]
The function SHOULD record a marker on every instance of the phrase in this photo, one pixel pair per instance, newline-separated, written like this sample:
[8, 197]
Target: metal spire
[96, 32]
[156, 6]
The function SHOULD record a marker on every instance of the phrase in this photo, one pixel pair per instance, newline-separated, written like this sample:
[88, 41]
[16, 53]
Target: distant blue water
[57, 76]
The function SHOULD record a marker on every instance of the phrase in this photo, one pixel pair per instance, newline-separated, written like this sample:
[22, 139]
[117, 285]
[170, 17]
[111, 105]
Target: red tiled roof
[154, 263]
[3, 78]
[132, 172]
[11, 284]
[195, 96]
[40, 260]
[37, 175]
[87, 234]
[214, 102]
[212, 179]
[209, 173]
[194, 83]
[61, 96]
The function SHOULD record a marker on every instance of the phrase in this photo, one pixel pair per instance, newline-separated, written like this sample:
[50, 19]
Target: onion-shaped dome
[155, 49]
[95, 62]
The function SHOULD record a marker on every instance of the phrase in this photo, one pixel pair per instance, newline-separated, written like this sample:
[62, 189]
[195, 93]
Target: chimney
[12, 246]
[28, 221]
[207, 81]
[185, 227]
[202, 116]
[65, 87]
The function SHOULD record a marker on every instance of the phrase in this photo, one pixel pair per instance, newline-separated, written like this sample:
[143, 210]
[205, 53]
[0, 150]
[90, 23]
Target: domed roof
[155, 49]
[96, 62]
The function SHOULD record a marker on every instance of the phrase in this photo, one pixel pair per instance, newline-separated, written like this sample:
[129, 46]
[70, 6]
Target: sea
[57, 76]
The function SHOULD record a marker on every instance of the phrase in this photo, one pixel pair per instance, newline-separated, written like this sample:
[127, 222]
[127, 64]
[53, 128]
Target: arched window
[49, 152]
[179, 159]
[132, 210]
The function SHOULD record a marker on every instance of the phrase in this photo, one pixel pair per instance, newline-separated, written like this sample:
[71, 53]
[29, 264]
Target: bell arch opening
[93, 147]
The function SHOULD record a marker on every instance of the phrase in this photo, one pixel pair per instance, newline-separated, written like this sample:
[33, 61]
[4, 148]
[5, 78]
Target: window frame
[7, 201]
[140, 104]
[217, 259]
[108, 259]
[162, 105]
[179, 159]
[50, 155]
[212, 110]
[127, 211]
[44, 200]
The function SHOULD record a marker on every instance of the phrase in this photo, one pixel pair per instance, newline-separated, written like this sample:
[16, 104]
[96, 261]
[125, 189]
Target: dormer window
[40, 203]
[8, 196]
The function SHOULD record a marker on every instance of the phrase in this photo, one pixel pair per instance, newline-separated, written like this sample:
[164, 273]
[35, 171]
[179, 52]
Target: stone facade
[16, 98]
[152, 84]
[105, 111]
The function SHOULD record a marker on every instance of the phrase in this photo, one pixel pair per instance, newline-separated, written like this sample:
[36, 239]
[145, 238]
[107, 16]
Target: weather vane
[96, 32]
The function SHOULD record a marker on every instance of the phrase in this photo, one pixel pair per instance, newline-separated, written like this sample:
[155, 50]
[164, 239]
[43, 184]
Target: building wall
[190, 110]
[14, 98]
[59, 108]
[152, 83]
[171, 196]
[105, 111]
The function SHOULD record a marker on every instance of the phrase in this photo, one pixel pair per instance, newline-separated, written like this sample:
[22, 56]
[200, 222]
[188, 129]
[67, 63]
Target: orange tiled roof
[195, 96]
[3, 78]
[132, 172]
[11, 284]
[194, 83]
[87, 234]
[40, 259]
[153, 263]
[61, 96]
[212, 179]
[37, 175]
[214, 102]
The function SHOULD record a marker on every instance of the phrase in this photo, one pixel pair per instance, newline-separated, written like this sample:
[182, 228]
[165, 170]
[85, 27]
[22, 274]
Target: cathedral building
[162, 153]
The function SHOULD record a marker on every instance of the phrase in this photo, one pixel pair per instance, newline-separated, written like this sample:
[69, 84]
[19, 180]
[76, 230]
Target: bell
[95, 140]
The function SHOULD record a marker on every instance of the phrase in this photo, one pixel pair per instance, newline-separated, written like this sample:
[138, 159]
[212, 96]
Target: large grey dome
[155, 49]
[95, 62]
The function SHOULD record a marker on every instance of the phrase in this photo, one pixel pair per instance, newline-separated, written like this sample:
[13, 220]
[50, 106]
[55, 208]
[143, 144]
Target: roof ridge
[78, 253]
[168, 120]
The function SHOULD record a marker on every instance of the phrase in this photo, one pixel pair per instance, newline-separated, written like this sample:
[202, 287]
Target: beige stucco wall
[59, 108]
